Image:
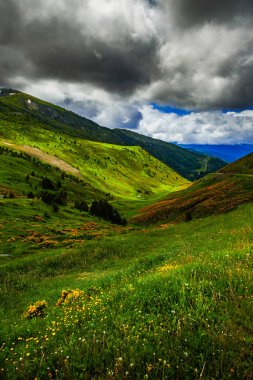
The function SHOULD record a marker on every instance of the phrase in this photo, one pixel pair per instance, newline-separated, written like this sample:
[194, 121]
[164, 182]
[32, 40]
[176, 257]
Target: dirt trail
[49, 158]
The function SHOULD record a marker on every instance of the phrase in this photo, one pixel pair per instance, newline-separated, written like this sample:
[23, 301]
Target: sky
[178, 70]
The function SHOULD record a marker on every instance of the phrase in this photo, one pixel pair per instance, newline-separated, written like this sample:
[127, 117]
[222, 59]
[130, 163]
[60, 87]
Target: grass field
[81, 298]
[124, 172]
[172, 301]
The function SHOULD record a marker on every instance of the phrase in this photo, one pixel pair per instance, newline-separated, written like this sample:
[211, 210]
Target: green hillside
[191, 165]
[242, 166]
[30, 220]
[21, 110]
[216, 193]
[82, 297]
[170, 302]
[123, 172]
[118, 171]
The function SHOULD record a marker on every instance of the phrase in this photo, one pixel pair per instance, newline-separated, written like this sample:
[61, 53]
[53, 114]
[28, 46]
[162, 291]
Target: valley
[122, 256]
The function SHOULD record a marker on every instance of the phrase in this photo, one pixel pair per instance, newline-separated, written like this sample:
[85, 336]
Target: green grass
[124, 172]
[242, 166]
[216, 193]
[171, 302]
[20, 112]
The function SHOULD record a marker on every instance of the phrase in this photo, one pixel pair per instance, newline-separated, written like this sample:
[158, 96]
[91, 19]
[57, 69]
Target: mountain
[214, 194]
[126, 172]
[227, 153]
[113, 170]
[191, 165]
[19, 111]
[242, 166]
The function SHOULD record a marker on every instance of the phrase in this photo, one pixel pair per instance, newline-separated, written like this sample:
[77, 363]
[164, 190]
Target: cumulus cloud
[119, 54]
[192, 12]
[110, 44]
[88, 101]
[187, 53]
[213, 127]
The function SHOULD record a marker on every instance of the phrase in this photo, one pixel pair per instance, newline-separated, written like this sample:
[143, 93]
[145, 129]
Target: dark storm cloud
[10, 57]
[192, 12]
[189, 53]
[10, 21]
[57, 48]
[120, 69]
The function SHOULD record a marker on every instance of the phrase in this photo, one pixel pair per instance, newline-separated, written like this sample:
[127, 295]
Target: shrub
[36, 310]
[55, 207]
[68, 296]
[30, 195]
[106, 211]
[81, 205]
[50, 198]
[47, 184]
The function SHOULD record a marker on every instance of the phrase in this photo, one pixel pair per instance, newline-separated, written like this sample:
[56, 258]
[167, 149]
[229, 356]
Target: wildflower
[36, 310]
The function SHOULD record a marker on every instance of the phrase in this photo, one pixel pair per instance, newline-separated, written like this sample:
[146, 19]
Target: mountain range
[227, 153]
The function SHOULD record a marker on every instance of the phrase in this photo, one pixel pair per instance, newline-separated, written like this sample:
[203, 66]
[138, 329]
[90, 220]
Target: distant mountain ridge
[20, 108]
[228, 153]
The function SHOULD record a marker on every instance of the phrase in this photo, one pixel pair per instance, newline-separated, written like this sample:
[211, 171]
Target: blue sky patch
[169, 109]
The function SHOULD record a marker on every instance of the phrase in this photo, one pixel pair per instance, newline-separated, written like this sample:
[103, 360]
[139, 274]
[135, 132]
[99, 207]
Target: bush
[106, 211]
[81, 205]
[47, 184]
[36, 310]
[30, 195]
[55, 207]
[50, 198]
[69, 296]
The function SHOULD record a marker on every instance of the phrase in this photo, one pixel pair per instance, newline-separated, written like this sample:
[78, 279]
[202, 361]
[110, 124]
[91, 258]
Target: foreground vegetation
[172, 301]
[85, 298]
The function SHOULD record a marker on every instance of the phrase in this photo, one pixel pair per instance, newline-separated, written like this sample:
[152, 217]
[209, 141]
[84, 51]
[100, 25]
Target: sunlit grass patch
[168, 267]
[164, 306]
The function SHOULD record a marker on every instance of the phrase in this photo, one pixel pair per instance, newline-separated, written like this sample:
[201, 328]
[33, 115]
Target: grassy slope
[242, 166]
[175, 303]
[15, 110]
[172, 301]
[15, 166]
[29, 225]
[191, 165]
[126, 172]
[214, 194]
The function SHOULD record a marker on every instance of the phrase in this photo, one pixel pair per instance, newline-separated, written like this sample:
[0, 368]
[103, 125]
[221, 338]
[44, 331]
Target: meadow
[167, 296]
[162, 302]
